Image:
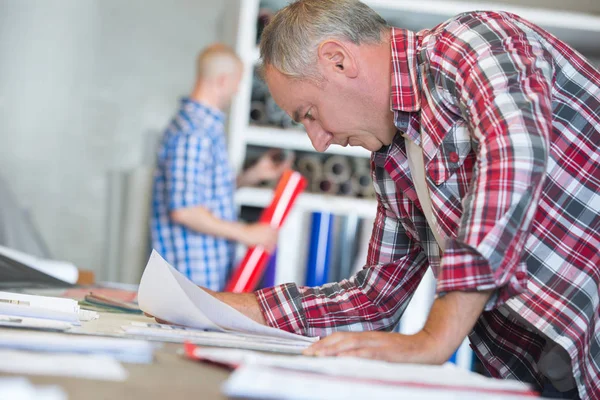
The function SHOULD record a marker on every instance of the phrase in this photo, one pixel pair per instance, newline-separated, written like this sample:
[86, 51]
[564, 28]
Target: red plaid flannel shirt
[508, 119]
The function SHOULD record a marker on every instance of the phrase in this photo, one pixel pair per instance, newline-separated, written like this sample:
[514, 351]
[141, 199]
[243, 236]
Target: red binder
[247, 275]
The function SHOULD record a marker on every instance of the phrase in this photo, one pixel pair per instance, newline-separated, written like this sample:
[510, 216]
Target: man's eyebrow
[296, 116]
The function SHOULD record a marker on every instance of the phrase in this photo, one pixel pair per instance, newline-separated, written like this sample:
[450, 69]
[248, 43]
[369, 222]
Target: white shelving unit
[582, 31]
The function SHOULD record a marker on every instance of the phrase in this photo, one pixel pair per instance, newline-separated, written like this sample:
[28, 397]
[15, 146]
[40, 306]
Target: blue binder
[319, 252]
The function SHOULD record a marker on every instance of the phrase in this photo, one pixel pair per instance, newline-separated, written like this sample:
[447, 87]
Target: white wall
[81, 84]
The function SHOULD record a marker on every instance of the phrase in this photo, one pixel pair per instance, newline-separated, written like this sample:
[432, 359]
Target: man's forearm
[246, 303]
[201, 220]
[451, 318]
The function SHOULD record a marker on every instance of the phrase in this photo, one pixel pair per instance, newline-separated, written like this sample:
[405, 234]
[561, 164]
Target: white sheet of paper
[21, 389]
[65, 271]
[217, 339]
[94, 366]
[263, 382]
[34, 323]
[25, 305]
[447, 375]
[167, 294]
[126, 350]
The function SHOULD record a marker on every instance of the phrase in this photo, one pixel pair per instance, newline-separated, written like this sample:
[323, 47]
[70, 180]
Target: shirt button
[454, 157]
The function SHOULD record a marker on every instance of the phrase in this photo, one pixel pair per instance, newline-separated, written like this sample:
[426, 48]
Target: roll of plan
[326, 186]
[348, 188]
[364, 183]
[311, 168]
[258, 113]
[337, 169]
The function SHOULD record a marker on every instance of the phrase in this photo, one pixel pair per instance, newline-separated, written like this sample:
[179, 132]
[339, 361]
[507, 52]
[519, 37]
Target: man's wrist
[246, 303]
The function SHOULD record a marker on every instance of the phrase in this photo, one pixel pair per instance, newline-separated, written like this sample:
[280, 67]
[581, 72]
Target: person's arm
[373, 299]
[504, 88]
[201, 220]
[188, 159]
[451, 318]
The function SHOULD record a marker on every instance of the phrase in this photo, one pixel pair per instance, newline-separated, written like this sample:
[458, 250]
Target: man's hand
[420, 348]
[451, 318]
[269, 167]
[259, 234]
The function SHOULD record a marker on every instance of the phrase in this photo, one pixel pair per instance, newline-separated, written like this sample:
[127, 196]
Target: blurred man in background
[193, 220]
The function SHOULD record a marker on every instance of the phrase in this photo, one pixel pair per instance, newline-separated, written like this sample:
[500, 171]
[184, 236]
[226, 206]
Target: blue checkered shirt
[193, 170]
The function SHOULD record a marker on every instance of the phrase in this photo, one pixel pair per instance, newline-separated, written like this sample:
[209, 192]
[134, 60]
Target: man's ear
[336, 58]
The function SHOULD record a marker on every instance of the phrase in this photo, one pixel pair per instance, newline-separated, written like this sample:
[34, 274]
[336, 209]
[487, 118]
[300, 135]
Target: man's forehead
[282, 88]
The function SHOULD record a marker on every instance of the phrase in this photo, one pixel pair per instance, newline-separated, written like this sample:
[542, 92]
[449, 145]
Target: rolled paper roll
[361, 164]
[311, 167]
[258, 113]
[364, 183]
[325, 186]
[348, 188]
[337, 169]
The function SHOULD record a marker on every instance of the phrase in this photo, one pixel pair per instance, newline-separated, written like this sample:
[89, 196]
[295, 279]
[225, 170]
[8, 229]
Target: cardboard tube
[310, 167]
[337, 169]
[364, 183]
[258, 113]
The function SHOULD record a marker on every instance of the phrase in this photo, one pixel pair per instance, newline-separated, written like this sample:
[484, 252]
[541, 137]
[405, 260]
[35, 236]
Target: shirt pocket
[456, 148]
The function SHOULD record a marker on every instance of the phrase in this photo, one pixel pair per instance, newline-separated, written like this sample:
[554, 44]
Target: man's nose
[318, 137]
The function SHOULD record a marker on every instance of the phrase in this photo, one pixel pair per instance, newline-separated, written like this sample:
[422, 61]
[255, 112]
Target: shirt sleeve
[186, 165]
[373, 299]
[503, 86]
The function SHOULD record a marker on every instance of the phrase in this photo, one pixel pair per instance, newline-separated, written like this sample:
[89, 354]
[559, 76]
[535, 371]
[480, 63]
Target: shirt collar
[198, 108]
[404, 95]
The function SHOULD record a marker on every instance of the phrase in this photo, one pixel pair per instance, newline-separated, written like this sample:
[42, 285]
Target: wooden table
[170, 376]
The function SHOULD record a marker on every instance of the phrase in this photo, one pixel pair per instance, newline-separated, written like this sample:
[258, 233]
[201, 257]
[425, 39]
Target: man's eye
[308, 115]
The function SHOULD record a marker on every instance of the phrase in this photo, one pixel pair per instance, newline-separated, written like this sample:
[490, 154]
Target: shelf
[261, 197]
[578, 29]
[295, 139]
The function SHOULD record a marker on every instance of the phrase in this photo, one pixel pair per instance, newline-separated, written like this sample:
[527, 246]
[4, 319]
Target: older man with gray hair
[484, 132]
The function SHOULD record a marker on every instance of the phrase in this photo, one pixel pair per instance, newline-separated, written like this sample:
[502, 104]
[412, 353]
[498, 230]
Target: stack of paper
[126, 350]
[168, 295]
[41, 312]
[95, 366]
[176, 334]
[295, 377]
[22, 389]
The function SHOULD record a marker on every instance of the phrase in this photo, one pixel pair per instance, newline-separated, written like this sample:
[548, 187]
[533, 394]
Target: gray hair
[290, 41]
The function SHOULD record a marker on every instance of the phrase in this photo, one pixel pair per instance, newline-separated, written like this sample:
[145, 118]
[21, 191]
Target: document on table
[237, 340]
[88, 366]
[264, 382]
[126, 350]
[21, 389]
[34, 323]
[44, 307]
[446, 378]
[167, 294]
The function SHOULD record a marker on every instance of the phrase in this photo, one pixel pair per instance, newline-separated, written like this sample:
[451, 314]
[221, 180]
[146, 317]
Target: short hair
[217, 59]
[291, 39]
